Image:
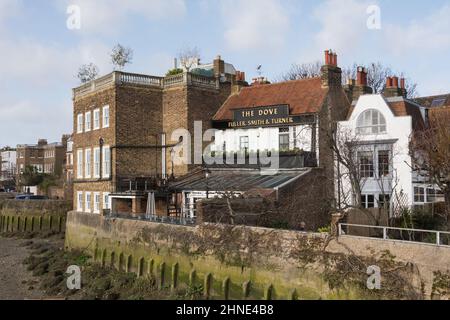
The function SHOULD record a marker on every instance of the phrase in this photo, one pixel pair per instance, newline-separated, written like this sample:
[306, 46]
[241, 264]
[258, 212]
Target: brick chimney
[42, 142]
[331, 73]
[238, 82]
[361, 86]
[259, 81]
[395, 87]
[219, 66]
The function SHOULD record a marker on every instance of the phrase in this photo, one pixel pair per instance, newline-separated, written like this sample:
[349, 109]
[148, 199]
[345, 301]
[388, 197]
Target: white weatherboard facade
[383, 152]
[267, 138]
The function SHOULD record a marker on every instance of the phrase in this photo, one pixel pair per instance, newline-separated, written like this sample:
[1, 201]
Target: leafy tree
[31, 177]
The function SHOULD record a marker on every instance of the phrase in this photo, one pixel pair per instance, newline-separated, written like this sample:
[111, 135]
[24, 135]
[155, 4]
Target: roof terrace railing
[120, 78]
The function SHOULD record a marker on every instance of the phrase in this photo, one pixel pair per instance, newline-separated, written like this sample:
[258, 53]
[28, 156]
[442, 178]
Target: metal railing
[184, 221]
[430, 237]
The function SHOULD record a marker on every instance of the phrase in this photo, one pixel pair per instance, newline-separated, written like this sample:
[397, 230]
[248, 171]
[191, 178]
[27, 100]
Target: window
[106, 161]
[284, 139]
[80, 201]
[80, 163]
[80, 123]
[106, 117]
[88, 202]
[87, 163]
[431, 195]
[87, 122]
[106, 204]
[96, 119]
[371, 122]
[419, 194]
[365, 160]
[97, 163]
[243, 143]
[96, 202]
[384, 201]
[368, 201]
[383, 163]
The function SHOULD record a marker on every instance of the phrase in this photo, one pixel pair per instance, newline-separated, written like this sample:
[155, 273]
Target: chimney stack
[394, 88]
[331, 73]
[354, 91]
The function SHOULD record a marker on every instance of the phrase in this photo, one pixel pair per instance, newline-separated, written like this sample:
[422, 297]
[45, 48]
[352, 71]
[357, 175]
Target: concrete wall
[274, 262]
[33, 216]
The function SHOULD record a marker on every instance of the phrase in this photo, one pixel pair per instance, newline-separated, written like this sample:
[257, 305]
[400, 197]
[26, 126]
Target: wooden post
[162, 275]
[268, 295]
[207, 285]
[175, 270]
[226, 288]
[246, 287]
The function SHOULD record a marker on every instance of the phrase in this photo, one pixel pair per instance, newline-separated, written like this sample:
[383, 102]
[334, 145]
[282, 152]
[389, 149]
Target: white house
[7, 164]
[381, 126]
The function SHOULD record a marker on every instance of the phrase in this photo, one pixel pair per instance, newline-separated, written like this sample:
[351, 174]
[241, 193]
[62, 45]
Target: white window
[80, 123]
[87, 163]
[80, 201]
[80, 161]
[97, 163]
[368, 201]
[96, 119]
[106, 202]
[419, 195]
[87, 207]
[87, 122]
[371, 122]
[97, 202]
[106, 117]
[106, 161]
[244, 143]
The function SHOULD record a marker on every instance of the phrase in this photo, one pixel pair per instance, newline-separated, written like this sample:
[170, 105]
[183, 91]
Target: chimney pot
[327, 57]
[395, 82]
[402, 83]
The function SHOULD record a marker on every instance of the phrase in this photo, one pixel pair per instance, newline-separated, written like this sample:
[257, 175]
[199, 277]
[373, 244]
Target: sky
[40, 52]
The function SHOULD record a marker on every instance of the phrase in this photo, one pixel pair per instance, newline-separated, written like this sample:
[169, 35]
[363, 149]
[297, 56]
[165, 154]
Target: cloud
[343, 24]
[110, 16]
[426, 35]
[255, 24]
[33, 120]
[45, 64]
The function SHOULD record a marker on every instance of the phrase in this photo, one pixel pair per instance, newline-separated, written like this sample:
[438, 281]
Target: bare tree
[87, 72]
[377, 74]
[302, 71]
[189, 57]
[430, 151]
[121, 56]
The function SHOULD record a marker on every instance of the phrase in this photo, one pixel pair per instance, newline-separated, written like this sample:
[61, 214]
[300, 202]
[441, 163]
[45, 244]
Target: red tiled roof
[303, 96]
[408, 108]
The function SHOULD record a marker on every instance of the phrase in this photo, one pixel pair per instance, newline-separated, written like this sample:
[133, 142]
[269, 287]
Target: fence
[431, 237]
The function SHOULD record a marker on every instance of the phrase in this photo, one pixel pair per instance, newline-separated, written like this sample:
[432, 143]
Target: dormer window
[371, 122]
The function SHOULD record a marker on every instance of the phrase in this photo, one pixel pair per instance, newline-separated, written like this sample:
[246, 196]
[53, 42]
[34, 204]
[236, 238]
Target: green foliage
[324, 230]
[174, 72]
[48, 181]
[419, 219]
[31, 177]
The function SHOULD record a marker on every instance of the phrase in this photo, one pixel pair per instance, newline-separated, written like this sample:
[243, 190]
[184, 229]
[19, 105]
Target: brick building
[123, 124]
[44, 157]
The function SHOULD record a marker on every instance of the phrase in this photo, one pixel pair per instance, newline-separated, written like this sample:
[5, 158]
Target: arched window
[371, 122]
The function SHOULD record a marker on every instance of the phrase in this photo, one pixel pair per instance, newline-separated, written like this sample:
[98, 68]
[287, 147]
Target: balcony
[124, 78]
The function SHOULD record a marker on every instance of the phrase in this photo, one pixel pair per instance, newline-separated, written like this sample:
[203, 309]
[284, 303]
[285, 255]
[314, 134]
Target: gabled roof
[434, 101]
[402, 107]
[303, 96]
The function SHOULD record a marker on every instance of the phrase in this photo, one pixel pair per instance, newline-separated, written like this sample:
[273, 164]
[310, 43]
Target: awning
[240, 181]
